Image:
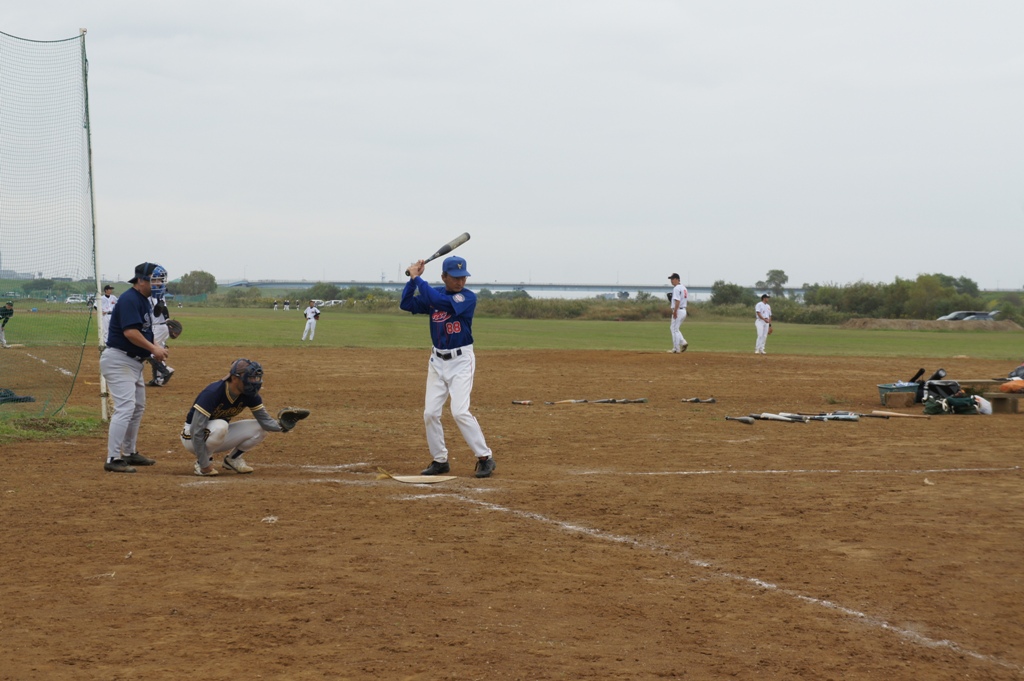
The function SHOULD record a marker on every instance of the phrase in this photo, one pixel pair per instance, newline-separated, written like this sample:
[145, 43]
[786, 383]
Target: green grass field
[262, 328]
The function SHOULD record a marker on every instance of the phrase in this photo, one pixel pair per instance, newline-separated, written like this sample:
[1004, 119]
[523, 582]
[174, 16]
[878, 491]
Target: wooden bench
[1002, 403]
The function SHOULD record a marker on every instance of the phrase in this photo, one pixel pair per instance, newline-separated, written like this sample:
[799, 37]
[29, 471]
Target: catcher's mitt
[289, 416]
[174, 328]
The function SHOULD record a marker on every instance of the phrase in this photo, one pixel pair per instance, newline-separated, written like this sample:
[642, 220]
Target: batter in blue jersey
[452, 364]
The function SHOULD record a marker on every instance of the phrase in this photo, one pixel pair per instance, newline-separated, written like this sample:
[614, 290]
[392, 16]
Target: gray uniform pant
[123, 375]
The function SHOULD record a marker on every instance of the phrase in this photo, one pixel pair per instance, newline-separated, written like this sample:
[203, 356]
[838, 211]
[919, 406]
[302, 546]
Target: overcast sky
[577, 141]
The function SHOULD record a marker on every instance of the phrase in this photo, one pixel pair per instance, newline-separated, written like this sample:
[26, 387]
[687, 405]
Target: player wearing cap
[677, 299]
[311, 313]
[452, 363]
[129, 345]
[763, 323]
[6, 312]
[107, 302]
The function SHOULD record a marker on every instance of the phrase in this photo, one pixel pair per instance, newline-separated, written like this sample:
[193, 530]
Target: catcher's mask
[251, 374]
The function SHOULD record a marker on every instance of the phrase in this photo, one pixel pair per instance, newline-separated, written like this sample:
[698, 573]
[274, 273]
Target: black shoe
[436, 468]
[682, 348]
[118, 466]
[484, 467]
[136, 459]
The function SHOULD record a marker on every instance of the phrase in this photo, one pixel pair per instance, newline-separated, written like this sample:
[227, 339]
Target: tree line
[929, 296]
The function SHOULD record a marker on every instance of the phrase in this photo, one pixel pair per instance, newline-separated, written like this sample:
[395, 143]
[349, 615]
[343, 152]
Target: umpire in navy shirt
[129, 345]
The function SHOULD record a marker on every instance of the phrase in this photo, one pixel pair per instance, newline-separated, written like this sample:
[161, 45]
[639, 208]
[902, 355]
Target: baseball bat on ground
[710, 400]
[526, 402]
[742, 419]
[447, 248]
[896, 413]
[775, 417]
[567, 402]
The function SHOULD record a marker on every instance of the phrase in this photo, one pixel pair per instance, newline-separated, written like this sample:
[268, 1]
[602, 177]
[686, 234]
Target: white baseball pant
[452, 378]
[226, 437]
[677, 336]
[762, 335]
[310, 329]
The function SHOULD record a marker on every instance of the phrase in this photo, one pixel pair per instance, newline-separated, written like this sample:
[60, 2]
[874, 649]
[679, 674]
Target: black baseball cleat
[118, 466]
[485, 466]
[436, 468]
[682, 348]
[136, 459]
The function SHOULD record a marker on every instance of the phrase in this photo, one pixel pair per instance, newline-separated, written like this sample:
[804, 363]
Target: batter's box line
[870, 620]
[812, 471]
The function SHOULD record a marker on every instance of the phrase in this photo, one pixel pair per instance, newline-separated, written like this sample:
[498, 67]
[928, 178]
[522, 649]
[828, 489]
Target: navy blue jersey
[451, 314]
[215, 402]
[132, 311]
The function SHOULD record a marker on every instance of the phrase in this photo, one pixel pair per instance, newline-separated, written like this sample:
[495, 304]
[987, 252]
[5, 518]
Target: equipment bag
[951, 405]
[937, 390]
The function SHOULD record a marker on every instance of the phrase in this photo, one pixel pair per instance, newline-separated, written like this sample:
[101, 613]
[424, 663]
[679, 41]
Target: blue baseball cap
[454, 266]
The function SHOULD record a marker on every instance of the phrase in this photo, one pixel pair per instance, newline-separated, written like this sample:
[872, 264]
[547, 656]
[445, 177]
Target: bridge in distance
[549, 290]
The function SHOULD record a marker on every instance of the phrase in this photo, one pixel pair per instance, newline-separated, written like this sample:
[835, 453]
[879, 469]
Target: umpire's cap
[144, 271]
[454, 266]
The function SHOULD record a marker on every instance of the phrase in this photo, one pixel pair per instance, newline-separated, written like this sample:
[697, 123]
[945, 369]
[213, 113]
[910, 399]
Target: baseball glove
[289, 416]
[174, 328]
[769, 329]
[316, 316]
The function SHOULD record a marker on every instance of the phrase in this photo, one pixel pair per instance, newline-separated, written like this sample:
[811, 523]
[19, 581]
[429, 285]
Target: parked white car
[75, 298]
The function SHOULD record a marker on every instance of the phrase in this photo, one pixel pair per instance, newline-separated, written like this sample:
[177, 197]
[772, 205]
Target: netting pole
[97, 308]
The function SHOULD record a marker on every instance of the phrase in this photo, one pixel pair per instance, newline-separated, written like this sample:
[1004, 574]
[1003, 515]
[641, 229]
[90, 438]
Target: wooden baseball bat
[896, 413]
[742, 419]
[526, 402]
[447, 248]
[567, 402]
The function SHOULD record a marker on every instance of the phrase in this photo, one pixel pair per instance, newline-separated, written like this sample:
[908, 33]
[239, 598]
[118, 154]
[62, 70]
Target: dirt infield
[638, 541]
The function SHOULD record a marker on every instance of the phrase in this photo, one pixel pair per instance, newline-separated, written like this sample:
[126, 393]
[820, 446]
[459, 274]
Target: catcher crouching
[220, 402]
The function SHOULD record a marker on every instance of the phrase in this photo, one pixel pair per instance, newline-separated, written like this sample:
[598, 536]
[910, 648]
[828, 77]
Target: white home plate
[422, 479]
[417, 479]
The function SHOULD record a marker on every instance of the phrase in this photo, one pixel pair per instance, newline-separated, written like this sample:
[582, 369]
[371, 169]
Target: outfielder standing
[677, 299]
[107, 302]
[6, 312]
[312, 314]
[452, 363]
[129, 344]
[207, 430]
[763, 323]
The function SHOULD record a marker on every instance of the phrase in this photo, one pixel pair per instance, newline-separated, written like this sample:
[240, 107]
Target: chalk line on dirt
[870, 620]
[808, 471]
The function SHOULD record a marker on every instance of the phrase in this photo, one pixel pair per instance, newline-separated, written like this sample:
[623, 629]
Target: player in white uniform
[312, 313]
[763, 323]
[678, 301]
[161, 371]
[107, 302]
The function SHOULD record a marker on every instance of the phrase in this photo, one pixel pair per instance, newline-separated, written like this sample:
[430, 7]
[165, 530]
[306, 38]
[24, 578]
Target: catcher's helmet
[251, 374]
